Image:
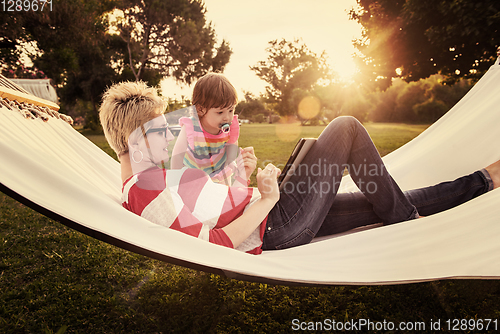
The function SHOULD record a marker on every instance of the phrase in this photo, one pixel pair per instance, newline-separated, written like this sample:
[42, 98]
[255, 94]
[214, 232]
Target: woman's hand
[267, 182]
[241, 228]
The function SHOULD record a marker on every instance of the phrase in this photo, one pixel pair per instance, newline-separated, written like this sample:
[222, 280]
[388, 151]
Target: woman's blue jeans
[309, 205]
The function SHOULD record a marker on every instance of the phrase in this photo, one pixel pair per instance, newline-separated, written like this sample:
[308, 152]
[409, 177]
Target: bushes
[423, 101]
[259, 118]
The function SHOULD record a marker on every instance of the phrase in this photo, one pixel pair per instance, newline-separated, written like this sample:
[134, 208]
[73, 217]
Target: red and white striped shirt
[187, 200]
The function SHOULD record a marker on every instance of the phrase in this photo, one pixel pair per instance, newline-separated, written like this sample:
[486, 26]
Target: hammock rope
[32, 111]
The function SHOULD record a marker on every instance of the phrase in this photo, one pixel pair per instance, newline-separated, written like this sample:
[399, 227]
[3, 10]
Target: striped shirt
[187, 200]
[207, 151]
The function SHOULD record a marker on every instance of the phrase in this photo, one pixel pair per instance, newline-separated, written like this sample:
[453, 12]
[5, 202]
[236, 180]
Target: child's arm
[180, 148]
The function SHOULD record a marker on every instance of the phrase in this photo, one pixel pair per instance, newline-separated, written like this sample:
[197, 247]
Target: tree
[171, 38]
[72, 44]
[290, 66]
[414, 39]
[250, 107]
[57, 37]
[68, 43]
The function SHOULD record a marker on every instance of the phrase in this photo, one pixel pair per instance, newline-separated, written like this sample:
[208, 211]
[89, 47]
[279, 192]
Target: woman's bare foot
[494, 171]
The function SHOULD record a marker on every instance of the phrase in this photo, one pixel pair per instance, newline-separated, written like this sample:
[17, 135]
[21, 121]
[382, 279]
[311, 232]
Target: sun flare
[345, 69]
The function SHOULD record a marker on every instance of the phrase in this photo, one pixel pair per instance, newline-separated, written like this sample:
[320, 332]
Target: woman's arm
[180, 148]
[232, 151]
[233, 161]
[158, 206]
[241, 228]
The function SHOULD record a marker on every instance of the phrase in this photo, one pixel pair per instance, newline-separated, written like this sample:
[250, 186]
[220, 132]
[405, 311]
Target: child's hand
[249, 160]
[267, 182]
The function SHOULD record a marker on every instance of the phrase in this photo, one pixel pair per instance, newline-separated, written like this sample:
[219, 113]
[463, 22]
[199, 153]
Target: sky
[248, 26]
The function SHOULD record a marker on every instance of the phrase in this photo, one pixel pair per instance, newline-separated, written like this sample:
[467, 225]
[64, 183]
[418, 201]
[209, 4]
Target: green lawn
[275, 142]
[55, 279]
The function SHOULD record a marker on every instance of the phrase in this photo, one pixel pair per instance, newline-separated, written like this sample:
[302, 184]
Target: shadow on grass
[51, 277]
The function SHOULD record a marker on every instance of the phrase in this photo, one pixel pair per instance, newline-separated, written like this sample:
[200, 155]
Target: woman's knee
[343, 124]
[347, 121]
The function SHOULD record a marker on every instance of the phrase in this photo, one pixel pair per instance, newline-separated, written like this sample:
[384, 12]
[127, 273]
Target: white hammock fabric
[57, 171]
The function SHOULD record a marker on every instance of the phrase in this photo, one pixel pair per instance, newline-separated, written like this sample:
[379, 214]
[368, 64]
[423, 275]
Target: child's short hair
[125, 107]
[214, 90]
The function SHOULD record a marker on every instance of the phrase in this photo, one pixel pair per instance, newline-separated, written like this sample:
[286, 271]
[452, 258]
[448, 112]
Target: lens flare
[309, 107]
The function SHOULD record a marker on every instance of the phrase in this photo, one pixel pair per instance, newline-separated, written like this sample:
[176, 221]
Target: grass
[275, 142]
[53, 279]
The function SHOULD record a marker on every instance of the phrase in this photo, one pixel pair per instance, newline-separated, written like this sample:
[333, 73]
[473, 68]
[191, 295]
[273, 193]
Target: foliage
[171, 38]
[73, 44]
[68, 43]
[357, 105]
[22, 72]
[291, 69]
[422, 101]
[57, 37]
[417, 38]
[250, 107]
[258, 118]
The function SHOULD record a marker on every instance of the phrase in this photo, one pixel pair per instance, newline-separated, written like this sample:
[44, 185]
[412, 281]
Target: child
[208, 140]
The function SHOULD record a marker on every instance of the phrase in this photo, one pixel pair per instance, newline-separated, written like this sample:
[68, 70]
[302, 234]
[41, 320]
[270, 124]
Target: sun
[344, 69]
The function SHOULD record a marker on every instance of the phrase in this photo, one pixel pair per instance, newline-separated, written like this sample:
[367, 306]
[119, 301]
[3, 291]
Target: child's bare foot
[494, 171]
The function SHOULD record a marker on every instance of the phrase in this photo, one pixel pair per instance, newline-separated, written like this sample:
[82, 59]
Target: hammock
[52, 168]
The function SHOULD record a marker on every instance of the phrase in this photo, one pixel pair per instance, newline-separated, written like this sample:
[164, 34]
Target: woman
[250, 220]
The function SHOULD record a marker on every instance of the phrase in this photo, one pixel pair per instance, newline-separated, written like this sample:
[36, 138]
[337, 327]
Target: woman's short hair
[214, 90]
[125, 107]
